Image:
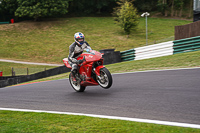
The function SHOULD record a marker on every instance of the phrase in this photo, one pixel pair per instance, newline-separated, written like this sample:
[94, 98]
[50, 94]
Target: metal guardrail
[4, 22]
[12, 80]
[162, 49]
[156, 50]
[151, 51]
[186, 45]
[128, 55]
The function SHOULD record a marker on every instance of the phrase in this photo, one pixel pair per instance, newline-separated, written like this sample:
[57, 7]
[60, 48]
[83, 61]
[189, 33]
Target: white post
[146, 14]
[146, 32]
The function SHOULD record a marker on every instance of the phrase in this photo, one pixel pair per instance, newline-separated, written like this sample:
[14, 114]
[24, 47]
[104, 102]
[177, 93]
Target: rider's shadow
[92, 92]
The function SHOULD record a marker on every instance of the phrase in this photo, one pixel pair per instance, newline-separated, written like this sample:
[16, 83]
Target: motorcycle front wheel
[76, 86]
[105, 80]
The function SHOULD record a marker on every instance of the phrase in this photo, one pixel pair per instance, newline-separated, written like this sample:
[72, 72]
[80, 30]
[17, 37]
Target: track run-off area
[168, 97]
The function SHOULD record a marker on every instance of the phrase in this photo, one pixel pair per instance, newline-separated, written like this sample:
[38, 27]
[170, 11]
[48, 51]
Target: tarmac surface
[171, 95]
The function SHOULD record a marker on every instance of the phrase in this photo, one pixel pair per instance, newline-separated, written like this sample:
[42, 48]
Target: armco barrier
[187, 45]
[156, 50]
[7, 81]
[162, 49]
[111, 56]
[128, 55]
[151, 51]
[4, 22]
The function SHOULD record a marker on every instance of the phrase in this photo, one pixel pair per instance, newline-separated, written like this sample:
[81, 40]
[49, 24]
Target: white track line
[111, 117]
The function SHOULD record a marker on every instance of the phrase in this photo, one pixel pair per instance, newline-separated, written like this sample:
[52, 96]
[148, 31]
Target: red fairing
[89, 70]
[65, 60]
[85, 69]
[97, 70]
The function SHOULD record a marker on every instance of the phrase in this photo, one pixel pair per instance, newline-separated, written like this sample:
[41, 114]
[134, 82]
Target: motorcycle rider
[76, 49]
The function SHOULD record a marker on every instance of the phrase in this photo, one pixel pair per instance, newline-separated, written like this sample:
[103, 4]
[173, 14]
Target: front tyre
[105, 79]
[76, 86]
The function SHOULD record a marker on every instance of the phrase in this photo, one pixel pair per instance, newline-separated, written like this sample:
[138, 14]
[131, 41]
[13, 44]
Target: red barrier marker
[12, 21]
[1, 73]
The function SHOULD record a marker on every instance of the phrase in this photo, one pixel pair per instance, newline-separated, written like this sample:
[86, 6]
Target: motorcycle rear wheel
[106, 78]
[75, 86]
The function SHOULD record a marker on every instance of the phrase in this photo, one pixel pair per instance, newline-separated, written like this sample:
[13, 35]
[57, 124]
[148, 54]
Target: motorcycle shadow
[91, 92]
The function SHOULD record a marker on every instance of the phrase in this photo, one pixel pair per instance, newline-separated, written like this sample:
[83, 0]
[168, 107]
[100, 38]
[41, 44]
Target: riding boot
[75, 74]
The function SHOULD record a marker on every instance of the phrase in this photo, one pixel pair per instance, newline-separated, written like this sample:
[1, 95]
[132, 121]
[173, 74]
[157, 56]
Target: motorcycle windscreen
[91, 57]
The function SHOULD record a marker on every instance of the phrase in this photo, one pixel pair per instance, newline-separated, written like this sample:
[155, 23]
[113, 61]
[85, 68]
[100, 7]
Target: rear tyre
[76, 86]
[105, 80]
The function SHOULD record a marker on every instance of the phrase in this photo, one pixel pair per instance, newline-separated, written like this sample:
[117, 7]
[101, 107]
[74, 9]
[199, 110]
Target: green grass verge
[48, 41]
[183, 60]
[18, 122]
[21, 69]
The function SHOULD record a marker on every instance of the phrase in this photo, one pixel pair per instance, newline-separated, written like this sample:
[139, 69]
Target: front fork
[97, 71]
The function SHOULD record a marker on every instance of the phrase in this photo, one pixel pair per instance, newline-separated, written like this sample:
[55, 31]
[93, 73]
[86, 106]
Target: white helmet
[78, 36]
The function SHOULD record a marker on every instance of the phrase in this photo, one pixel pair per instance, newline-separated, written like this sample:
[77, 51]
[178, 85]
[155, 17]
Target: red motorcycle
[91, 72]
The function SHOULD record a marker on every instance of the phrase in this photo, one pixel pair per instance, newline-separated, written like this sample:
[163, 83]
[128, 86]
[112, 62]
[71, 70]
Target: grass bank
[21, 69]
[48, 41]
[19, 122]
[183, 60]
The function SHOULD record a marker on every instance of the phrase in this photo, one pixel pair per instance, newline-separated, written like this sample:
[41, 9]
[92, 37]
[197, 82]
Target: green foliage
[9, 5]
[43, 8]
[162, 6]
[145, 6]
[89, 7]
[23, 9]
[127, 17]
[174, 7]
[7, 9]
[178, 4]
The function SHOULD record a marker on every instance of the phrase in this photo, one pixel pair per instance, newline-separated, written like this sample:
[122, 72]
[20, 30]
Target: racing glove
[79, 61]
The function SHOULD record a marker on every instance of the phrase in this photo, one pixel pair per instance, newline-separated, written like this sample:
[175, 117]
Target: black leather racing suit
[74, 51]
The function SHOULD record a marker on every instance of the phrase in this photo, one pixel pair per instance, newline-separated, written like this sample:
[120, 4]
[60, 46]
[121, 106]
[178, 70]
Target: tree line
[36, 9]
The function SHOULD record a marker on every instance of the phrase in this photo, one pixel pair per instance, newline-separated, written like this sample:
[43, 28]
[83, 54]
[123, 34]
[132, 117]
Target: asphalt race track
[171, 95]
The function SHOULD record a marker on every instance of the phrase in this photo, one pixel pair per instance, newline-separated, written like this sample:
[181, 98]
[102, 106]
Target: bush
[127, 17]
[43, 8]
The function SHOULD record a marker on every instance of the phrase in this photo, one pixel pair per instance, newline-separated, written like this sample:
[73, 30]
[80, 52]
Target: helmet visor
[80, 40]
